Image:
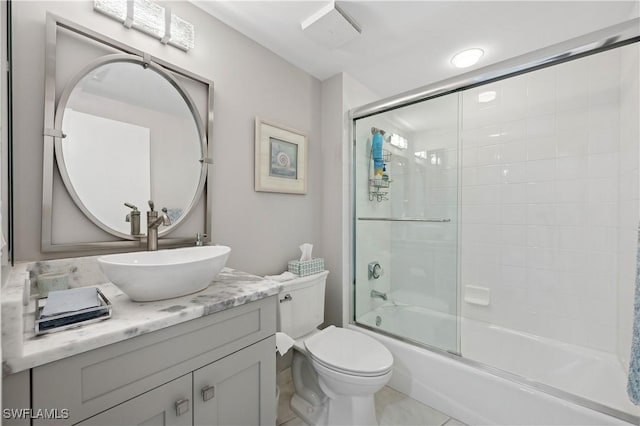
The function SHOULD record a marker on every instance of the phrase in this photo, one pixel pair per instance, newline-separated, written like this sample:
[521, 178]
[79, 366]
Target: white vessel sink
[155, 275]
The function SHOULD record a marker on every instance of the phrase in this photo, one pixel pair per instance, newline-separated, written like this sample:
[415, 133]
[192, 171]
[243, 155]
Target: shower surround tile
[570, 166]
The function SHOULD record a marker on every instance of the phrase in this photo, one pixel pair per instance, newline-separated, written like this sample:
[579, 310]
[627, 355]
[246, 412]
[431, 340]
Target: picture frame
[280, 158]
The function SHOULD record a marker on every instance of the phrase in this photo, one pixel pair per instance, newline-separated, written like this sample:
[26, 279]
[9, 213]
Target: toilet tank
[301, 304]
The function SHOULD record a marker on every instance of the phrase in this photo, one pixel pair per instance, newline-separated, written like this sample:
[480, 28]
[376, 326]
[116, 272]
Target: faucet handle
[166, 220]
[375, 270]
[133, 208]
[151, 205]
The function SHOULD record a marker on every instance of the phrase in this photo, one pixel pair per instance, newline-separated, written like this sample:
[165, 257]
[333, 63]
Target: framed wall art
[280, 159]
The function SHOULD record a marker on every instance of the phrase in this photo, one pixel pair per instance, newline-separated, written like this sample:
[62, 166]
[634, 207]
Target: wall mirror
[123, 129]
[130, 135]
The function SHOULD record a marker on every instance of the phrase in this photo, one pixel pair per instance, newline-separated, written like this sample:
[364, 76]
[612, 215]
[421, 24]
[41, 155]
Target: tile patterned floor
[392, 408]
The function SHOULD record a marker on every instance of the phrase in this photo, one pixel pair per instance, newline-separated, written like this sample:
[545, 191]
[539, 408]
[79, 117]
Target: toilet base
[355, 410]
[308, 413]
[348, 411]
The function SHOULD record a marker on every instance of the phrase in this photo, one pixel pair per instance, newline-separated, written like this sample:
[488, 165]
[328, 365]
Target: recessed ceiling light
[467, 58]
[487, 96]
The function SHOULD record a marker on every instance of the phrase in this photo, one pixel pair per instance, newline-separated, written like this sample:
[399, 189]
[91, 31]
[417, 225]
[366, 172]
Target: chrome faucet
[153, 222]
[378, 294]
[200, 239]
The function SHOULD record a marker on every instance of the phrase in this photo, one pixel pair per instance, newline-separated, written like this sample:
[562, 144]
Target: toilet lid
[349, 351]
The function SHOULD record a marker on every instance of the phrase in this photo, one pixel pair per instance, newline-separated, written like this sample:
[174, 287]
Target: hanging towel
[633, 385]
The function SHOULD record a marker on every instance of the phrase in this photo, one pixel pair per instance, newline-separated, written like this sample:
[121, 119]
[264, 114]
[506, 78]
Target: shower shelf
[378, 185]
[376, 190]
[406, 219]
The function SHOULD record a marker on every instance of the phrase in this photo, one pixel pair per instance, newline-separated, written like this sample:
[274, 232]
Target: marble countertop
[22, 349]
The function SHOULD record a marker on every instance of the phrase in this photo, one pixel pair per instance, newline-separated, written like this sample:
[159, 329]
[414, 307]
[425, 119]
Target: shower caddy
[379, 186]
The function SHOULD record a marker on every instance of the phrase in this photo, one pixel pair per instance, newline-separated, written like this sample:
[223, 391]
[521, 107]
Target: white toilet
[335, 371]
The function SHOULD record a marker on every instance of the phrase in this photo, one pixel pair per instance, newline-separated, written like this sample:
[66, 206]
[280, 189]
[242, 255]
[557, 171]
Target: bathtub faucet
[378, 294]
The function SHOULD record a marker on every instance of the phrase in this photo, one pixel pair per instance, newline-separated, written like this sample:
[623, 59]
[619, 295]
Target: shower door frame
[619, 35]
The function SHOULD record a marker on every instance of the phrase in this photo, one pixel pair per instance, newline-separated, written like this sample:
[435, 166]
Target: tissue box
[306, 267]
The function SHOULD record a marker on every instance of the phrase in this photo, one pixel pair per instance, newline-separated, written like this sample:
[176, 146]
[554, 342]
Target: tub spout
[378, 294]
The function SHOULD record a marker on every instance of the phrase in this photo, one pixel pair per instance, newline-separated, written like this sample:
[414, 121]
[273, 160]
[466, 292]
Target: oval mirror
[131, 134]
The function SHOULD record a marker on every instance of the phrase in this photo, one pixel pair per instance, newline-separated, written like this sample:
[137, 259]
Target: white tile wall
[629, 196]
[424, 254]
[542, 201]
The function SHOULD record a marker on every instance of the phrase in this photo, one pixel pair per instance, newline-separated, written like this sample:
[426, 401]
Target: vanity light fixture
[150, 18]
[467, 58]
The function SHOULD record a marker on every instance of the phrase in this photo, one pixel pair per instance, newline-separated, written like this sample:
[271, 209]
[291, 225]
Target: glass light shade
[182, 33]
[398, 141]
[148, 17]
[114, 8]
[421, 155]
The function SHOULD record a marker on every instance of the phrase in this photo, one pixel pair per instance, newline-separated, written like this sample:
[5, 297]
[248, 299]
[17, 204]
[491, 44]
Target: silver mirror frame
[53, 139]
[59, 117]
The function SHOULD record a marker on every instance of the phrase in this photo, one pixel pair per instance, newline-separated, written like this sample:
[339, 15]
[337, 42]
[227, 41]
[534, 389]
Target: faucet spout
[163, 219]
[375, 294]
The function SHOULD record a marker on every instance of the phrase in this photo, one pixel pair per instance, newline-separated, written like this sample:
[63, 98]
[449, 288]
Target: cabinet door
[16, 399]
[238, 389]
[169, 404]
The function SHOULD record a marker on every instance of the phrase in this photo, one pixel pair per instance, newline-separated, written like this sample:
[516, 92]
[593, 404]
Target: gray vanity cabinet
[221, 368]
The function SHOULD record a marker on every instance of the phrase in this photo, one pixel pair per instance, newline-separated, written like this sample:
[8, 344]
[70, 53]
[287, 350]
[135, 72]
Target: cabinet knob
[286, 298]
[182, 406]
[208, 392]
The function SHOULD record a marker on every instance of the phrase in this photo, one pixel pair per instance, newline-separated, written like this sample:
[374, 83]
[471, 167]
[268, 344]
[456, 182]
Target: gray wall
[340, 93]
[332, 229]
[263, 229]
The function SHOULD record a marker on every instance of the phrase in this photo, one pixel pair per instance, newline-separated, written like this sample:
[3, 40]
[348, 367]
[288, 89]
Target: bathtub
[467, 389]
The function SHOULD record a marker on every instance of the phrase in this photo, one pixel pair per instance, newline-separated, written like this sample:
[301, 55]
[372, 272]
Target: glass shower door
[406, 222]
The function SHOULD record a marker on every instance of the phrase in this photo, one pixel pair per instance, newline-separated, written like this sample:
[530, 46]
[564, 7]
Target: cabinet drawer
[94, 381]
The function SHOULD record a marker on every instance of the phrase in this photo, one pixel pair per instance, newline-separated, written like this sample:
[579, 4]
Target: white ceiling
[408, 44]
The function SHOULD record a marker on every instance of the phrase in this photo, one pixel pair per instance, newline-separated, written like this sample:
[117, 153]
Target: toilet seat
[349, 352]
